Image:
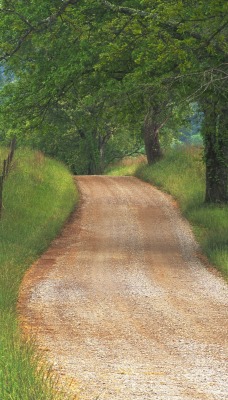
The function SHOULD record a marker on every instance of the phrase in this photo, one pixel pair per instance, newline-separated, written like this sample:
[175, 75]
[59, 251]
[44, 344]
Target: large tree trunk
[151, 137]
[215, 131]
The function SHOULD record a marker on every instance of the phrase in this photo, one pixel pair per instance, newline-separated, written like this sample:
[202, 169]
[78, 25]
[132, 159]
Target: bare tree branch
[52, 18]
[216, 32]
[13, 11]
[17, 47]
[47, 21]
[126, 10]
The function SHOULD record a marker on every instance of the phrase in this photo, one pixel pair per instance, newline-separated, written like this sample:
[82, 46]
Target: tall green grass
[127, 167]
[39, 195]
[182, 174]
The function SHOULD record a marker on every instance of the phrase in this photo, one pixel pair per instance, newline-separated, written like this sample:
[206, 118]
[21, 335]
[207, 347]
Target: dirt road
[121, 304]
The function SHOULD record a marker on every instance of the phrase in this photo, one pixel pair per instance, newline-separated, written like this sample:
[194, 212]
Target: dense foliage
[89, 81]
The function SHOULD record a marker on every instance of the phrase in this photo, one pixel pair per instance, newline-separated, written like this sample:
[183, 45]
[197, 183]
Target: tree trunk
[101, 150]
[216, 153]
[151, 137]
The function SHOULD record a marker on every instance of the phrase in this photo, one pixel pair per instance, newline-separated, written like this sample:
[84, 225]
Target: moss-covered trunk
[215, 131]
[151, 137]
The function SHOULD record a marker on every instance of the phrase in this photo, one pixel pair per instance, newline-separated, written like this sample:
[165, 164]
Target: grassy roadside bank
[39, 194]
[181, 173]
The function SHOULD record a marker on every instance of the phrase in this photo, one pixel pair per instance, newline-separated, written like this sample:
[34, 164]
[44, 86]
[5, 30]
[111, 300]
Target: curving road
[121, 304]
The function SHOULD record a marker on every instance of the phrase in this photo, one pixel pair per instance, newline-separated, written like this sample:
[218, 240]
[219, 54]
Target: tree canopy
[92, 80]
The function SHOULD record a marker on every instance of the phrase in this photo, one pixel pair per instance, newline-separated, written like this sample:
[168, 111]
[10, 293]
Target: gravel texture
[122, 306]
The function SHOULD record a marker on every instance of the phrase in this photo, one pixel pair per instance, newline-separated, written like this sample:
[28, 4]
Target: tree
[152, 56]
[56, 83]
[215, 132]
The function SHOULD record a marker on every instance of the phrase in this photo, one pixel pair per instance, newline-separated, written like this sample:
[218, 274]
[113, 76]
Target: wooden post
[12, 148]
[8, 163]
[1, 191]
[5, 169]
[4, 172]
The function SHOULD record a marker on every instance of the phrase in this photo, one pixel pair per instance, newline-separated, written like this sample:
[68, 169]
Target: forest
[89, 82]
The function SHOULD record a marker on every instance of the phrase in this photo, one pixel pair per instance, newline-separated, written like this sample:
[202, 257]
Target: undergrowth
[182, 174]
[39, 194]
[128, 166]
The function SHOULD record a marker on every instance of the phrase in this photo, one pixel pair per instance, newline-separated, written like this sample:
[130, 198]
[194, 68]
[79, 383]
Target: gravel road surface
[121, 305]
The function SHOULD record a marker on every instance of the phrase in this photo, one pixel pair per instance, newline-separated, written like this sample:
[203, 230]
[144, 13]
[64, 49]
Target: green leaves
[84, 69]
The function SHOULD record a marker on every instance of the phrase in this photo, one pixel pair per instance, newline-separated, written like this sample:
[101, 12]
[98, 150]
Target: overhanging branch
[52, 18]
[32, 28]
[126, 10]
